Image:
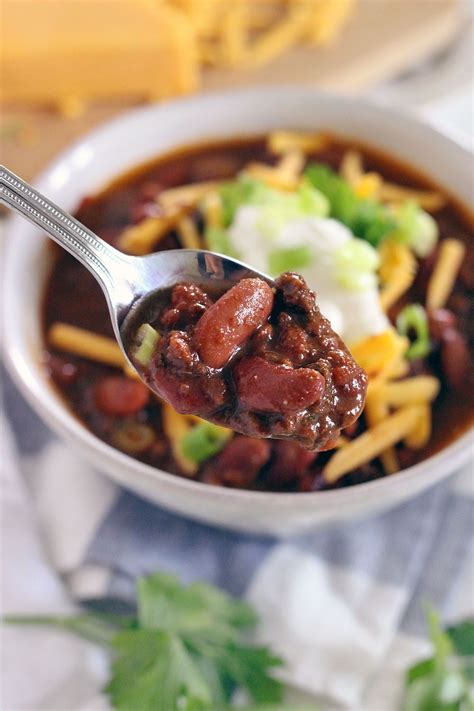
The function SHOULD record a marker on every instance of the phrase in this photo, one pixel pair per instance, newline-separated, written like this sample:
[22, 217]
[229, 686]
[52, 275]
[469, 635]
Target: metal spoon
[126, 281]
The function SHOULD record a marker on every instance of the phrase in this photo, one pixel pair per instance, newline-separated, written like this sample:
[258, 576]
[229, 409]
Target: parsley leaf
[183, 651]
[443, 682]
[462, 637]
[209, 623]
[153, 671]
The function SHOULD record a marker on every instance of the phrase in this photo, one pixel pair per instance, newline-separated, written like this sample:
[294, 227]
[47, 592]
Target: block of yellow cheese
[64, 52]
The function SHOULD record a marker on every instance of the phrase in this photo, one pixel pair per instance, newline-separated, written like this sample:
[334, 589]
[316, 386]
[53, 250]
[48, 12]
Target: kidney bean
[273, 387]
[290, 461]
[239, 462]
[186, 393]
[61, 371]
[120, 396]
[461, 304]
[231, 320]
[440, 321]
[454, 358]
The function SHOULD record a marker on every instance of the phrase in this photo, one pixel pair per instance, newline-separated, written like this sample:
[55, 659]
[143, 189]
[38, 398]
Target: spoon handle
[95, 254]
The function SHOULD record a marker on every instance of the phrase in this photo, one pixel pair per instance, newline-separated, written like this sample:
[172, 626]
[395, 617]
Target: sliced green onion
[367, 219]
[425, 235]
[413, 320]
[356, 263]
[218, 240]
[281, 208]
[287, 259]
[277, 207]
[147, 338]
[204, 441]
[244, 191]
[416, 228]
[342, 199]
[311, 201]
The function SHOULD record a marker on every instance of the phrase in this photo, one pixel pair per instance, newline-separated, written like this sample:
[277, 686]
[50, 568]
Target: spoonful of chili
[212, 336]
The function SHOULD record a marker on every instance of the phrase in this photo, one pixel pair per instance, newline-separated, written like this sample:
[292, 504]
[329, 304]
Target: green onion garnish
[286, 259]
[356, 263]
[413, 320]
[368, 219]
[416, 228]
[278, 207]
[312, 202]
[243, 191]
[147, 338]
[217, 240]
[203, 441]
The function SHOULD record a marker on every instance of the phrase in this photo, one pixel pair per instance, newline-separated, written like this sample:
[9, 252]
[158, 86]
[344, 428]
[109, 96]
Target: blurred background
[68, 65]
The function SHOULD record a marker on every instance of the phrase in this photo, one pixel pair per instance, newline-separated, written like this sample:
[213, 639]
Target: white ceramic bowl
[139, 136]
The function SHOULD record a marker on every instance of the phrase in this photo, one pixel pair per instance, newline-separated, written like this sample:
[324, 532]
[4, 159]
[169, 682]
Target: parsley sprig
[445, 681]
[184, 650]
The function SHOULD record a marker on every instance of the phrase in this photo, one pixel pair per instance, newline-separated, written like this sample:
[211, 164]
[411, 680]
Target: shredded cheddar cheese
[141, 239]
[378, 355]
[397, 271]
[186, 196]
[429, 200]
[351, 167]
[375, 411]
[292, 163]
[420, 435]
[440, 286]
[286, 175]
[282, 35]
[281, 142]
[87, 344]
[211, 206]
[372, 443]
[188, 234]
[419, 389]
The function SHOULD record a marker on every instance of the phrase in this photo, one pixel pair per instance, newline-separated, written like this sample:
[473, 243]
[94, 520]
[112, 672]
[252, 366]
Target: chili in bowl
[376, 251]
[387, 253]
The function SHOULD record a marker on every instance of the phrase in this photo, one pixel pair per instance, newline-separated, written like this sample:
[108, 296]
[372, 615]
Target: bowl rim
[61, 419]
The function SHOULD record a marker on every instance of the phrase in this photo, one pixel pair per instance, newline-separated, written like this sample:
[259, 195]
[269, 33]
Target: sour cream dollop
[354, 313]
